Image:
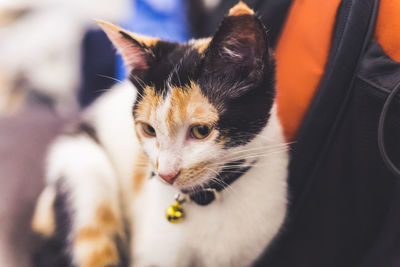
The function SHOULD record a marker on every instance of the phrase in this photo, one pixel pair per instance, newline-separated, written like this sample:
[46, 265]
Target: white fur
[91, 173]
[231, 231]
[43, 221]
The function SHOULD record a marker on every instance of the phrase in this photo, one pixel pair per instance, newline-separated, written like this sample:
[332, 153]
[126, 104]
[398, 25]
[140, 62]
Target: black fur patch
[89, 130]
[162, 59]
[129, 38]
[238, 78]
[123, 252]
[84, 128]
[52, 251]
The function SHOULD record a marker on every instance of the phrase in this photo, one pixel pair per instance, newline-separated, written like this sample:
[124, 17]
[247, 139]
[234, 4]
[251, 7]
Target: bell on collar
[175, 213]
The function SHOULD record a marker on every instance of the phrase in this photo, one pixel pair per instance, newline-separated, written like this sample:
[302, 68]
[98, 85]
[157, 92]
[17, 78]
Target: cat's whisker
[139, 81]
[227, 187]
[177, 75]
[266, 138]
[220, 181]
[101, 90]
[223, 184]
[232, 171]
[142, 84]
[229, 158]
[257, 152]
[254, 156]
[194, 188]
[240, 166]
[269, 147]
[214, 171]
[252, 149]
[109, 77]
[269, 144]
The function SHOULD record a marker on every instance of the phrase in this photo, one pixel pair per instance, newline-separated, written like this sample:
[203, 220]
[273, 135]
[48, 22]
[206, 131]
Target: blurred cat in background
[40, 49]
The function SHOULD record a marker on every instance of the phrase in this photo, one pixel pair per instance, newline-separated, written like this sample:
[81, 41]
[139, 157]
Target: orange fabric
[387, 31]
[301, 54]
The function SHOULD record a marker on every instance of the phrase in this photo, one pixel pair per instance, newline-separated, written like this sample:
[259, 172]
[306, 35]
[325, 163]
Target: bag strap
[381, 131]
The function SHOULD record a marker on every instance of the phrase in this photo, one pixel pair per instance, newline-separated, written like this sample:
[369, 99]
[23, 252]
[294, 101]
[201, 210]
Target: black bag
[344, 184]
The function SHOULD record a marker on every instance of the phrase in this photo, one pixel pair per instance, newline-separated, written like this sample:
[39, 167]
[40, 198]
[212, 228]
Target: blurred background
[55, 61]
[49, 50]
[53, 53]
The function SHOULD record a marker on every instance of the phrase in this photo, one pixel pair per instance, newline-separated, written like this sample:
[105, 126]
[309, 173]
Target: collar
[229, 174]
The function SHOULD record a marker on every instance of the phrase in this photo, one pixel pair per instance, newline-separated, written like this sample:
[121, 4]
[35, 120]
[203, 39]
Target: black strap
[225, 178]
[381, 131]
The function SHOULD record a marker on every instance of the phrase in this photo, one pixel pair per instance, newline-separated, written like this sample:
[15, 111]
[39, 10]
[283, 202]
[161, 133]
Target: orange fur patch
[105, 223]
[146, 40]
[192, 173]
[189, 105]
[88, 233]
[141, 172]
[201, 44]
[93, 248]
[94, 245]
[176, 114]
[147, 106]
[240, 9]
[223, 138]
[105, 256]
[106, 218]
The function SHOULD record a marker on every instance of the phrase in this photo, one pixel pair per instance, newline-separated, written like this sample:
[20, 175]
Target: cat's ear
[240, 45]
[135, 49]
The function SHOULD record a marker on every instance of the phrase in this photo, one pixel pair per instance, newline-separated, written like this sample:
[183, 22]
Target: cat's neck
[266, 152]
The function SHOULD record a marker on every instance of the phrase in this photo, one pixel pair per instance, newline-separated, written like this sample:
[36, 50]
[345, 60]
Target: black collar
[230, 173]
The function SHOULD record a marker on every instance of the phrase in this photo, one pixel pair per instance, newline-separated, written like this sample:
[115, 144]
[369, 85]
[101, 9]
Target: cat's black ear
[239, 49]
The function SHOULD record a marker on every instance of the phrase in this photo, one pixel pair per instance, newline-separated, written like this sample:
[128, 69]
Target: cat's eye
[200, 131]
[148, 130]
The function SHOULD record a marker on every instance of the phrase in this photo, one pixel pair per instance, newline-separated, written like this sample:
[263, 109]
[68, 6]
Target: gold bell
[175, 213]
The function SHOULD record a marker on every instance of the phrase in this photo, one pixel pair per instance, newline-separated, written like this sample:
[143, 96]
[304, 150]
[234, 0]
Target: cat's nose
[169, 177]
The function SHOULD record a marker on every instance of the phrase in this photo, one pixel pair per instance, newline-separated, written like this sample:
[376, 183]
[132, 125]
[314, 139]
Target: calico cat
[195, 125]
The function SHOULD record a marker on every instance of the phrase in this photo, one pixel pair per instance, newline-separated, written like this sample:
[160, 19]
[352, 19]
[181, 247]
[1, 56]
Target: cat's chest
[232, 231]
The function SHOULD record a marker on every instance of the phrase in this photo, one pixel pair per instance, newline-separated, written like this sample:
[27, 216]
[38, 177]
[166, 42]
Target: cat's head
[198, 102]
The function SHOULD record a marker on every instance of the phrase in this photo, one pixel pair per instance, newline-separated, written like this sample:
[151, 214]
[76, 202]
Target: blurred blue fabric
[166, 19]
